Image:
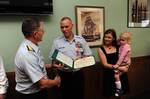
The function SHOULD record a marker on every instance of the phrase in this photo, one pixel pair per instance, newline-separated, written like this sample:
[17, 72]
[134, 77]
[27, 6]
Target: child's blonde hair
[126, 36]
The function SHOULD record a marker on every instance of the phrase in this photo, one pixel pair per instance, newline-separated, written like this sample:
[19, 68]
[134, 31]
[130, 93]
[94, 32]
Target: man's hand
[48, 65]
[57, 80]
[57, 64]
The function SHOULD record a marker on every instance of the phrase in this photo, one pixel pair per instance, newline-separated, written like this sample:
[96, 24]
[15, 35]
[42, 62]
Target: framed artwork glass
[90, 24]
[138, 13]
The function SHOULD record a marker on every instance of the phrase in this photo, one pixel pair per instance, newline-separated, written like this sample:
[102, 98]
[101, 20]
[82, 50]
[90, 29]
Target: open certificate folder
[75, 64]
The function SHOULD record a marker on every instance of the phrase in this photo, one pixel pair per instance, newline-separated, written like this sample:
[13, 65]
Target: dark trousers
[72, 85]
[39, 95]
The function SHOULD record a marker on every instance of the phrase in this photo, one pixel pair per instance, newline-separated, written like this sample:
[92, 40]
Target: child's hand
[115, 66]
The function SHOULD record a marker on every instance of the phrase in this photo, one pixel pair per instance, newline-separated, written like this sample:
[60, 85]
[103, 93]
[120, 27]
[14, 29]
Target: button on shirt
[69, 48]
[29, 68]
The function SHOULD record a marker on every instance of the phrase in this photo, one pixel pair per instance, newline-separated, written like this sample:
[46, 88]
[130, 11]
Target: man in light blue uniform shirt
[75, 47]
[69, 47]
[31, 76]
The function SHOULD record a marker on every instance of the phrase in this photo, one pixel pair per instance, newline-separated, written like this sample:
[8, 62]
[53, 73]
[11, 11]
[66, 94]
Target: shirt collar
[73, 40]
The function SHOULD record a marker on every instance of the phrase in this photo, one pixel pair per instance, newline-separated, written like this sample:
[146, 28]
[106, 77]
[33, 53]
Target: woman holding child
[108, 55]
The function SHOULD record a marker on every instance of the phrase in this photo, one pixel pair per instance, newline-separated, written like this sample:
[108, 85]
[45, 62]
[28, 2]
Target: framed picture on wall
[138, 13]
[90, 24]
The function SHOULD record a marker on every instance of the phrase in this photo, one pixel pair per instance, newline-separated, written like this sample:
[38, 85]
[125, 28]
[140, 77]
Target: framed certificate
[74, 64]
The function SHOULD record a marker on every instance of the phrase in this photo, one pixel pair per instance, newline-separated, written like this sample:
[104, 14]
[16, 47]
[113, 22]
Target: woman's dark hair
[113, 33]
[29, 25]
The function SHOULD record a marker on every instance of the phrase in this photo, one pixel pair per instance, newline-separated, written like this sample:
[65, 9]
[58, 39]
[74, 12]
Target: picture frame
[138, 14]
[90, 24]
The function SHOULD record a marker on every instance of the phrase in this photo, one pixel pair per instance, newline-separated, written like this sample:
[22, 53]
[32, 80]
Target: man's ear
[34, 34]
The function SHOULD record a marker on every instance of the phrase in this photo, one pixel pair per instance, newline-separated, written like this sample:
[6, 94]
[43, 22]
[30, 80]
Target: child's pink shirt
[124, 55]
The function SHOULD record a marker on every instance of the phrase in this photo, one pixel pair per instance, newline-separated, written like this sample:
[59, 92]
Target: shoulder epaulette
[30, 48]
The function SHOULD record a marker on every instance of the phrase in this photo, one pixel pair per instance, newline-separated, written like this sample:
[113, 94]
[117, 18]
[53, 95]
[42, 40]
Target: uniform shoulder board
[30, 48]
